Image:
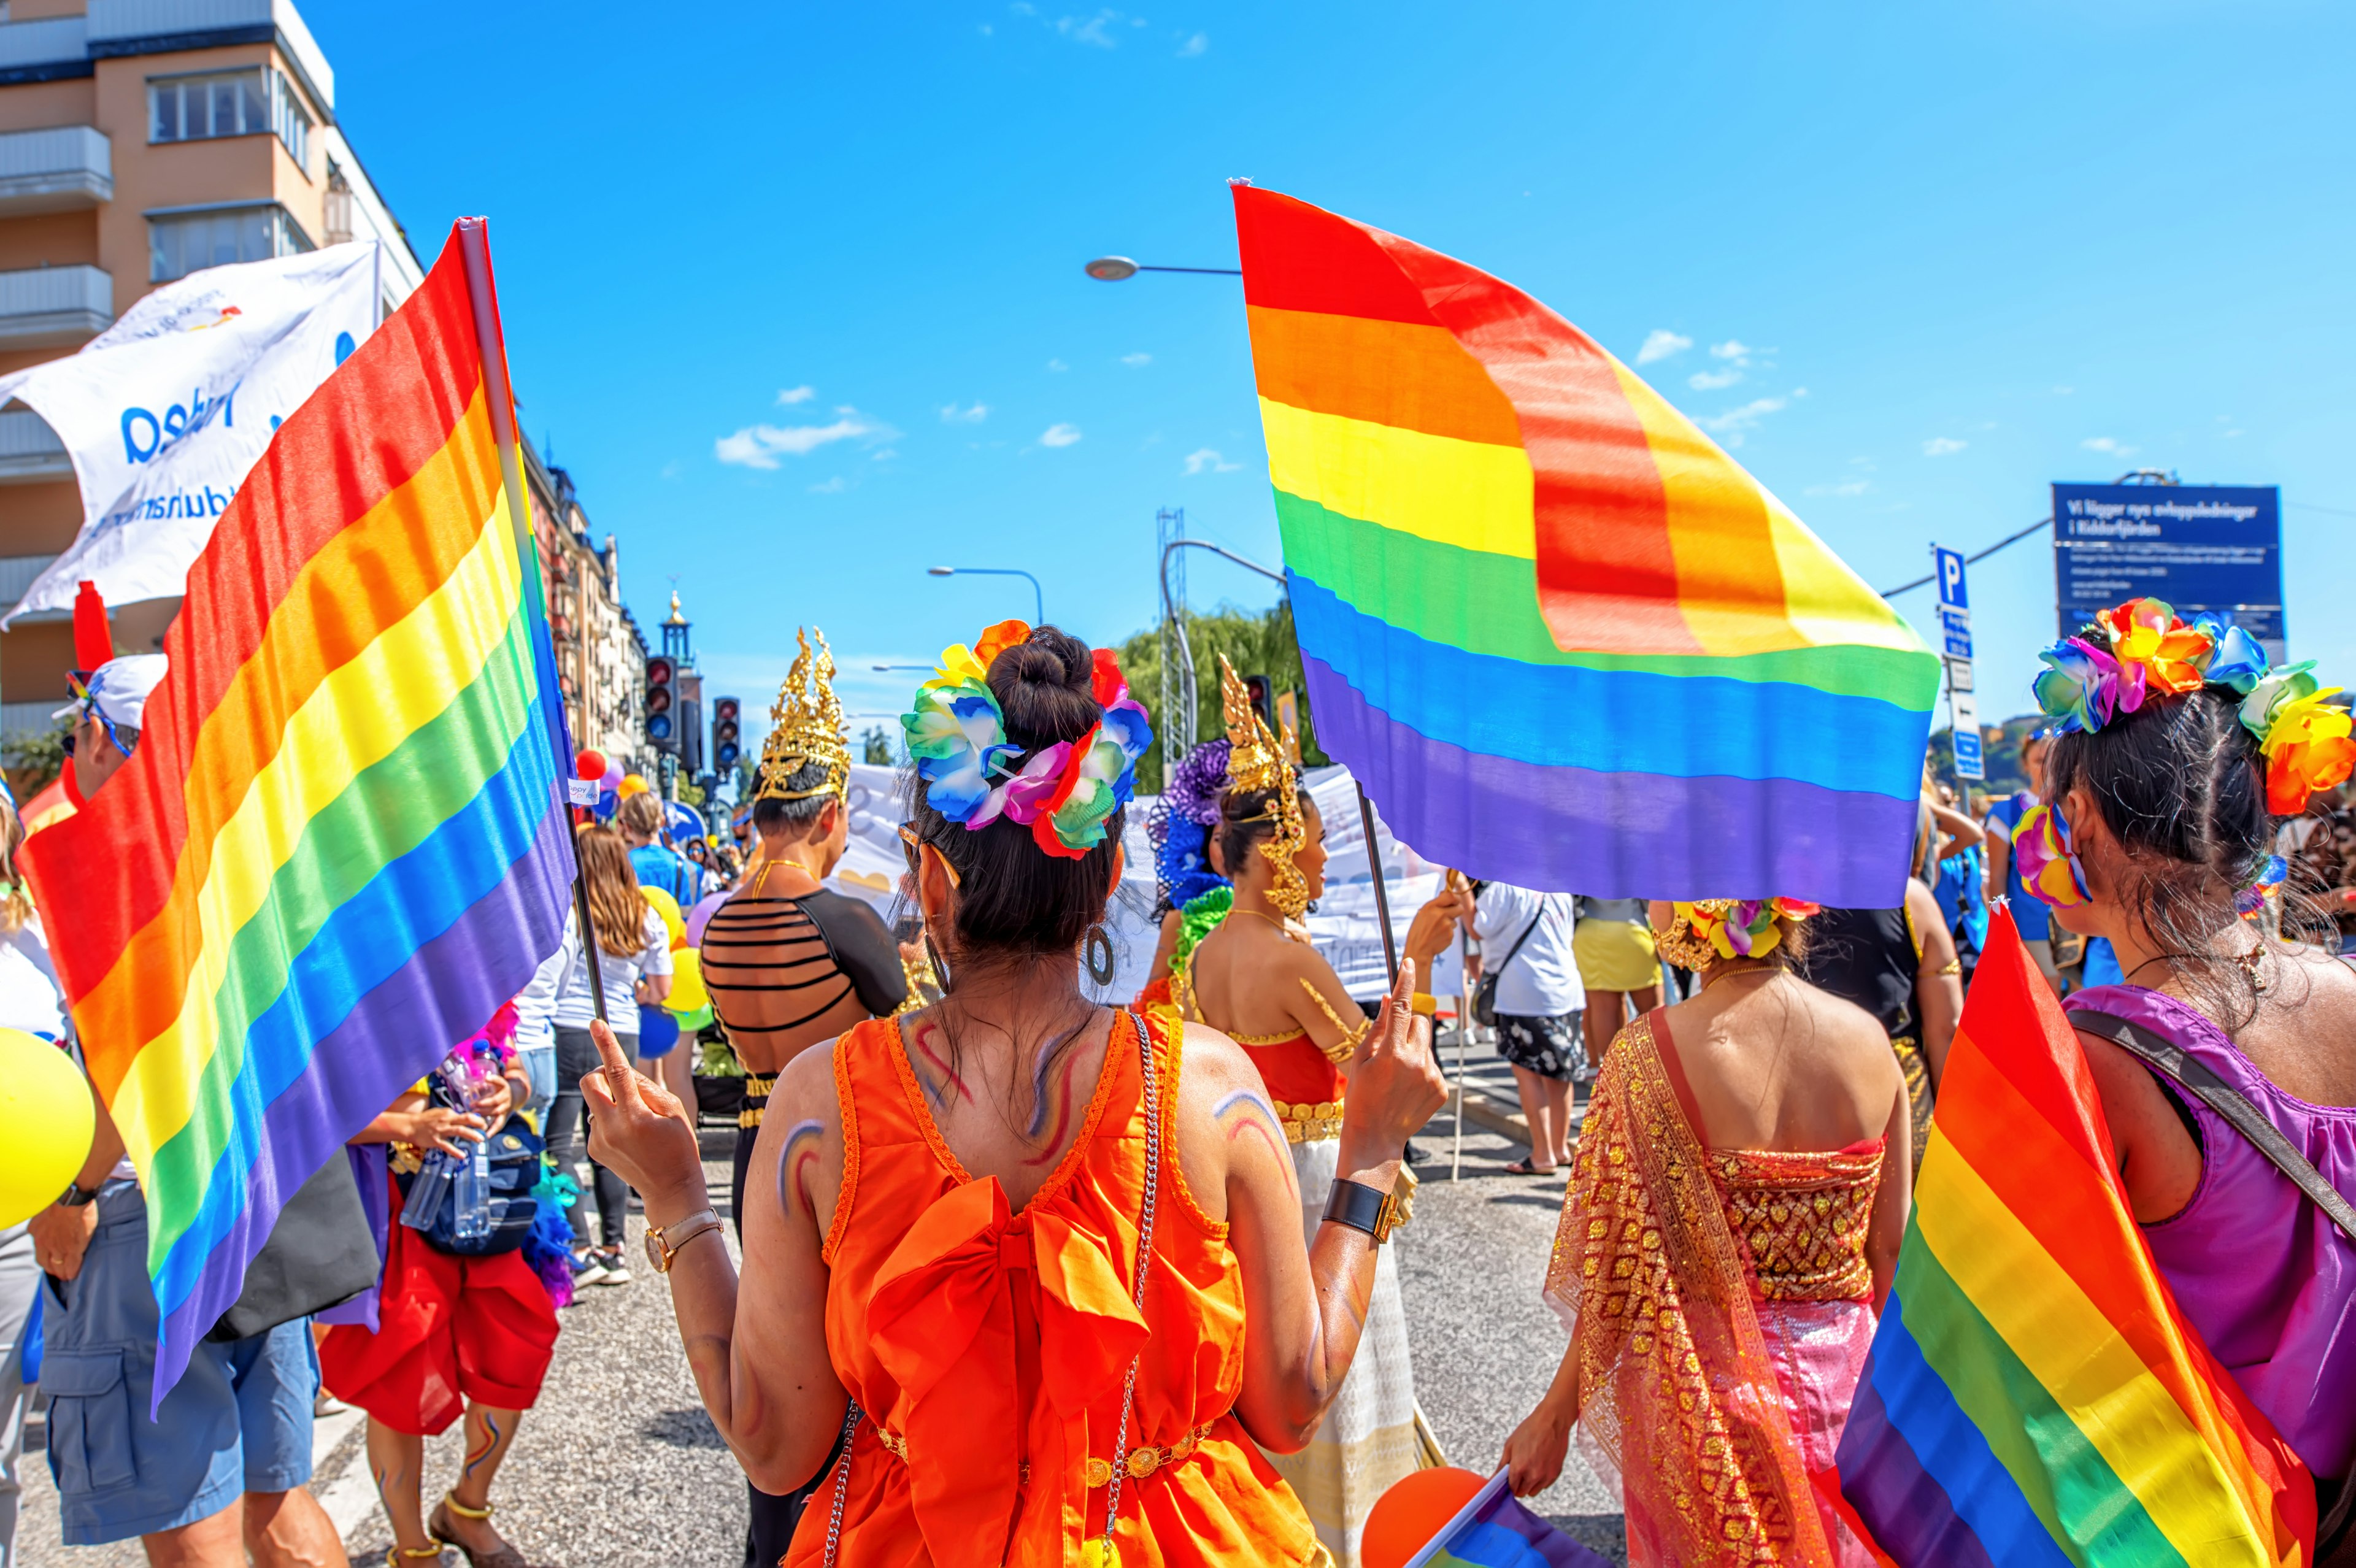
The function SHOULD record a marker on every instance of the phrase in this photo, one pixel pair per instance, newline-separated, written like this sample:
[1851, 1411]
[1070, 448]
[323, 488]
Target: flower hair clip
[2251, 902]
[1742, 928]
[2143, 649]
[2048, 858]
[973, 775]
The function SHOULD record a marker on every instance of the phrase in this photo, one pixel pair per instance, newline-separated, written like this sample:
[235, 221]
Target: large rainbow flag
[2034, 1396]
[342, 841]
[1559, 634]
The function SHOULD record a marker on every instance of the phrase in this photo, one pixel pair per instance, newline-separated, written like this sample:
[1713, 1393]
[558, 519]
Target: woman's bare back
[1776, 1064]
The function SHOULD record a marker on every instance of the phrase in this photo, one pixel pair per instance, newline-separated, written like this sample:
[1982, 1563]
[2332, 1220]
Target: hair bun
[1044, 689]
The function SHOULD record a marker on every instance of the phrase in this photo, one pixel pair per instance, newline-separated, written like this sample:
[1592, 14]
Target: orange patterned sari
[1720, 1308]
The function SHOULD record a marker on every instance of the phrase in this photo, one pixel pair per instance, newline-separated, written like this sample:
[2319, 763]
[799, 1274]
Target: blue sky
[795, 291]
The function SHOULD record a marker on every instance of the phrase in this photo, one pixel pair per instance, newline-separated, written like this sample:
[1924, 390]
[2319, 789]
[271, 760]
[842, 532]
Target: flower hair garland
[974, 776]
[1742, 928]
[2142, 649]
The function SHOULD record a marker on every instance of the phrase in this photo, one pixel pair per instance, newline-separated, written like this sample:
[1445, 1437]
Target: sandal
[1524, 1167]
[394, 1554]
[504, 1556]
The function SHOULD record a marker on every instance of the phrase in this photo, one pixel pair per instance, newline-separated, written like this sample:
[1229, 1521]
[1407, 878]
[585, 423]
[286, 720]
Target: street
[618, 1466]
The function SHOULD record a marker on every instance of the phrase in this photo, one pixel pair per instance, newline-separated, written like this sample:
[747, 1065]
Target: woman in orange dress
[1732, 1222]
[1001, 1252]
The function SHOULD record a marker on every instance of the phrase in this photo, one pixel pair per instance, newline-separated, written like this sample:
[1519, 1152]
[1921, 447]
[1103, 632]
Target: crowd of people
[1029, 1276]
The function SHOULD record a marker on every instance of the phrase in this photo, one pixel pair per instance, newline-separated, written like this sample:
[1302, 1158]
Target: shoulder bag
[1484, 993]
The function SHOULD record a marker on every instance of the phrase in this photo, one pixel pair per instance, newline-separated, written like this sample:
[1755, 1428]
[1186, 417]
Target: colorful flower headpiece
[1180, 825]
[2143, 649]
[974, 774]
[1742, 928]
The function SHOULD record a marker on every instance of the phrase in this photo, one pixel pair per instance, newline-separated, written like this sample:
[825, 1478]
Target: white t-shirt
[574, 1008]
[28, 984]
[536, 1003]
[1542, 979]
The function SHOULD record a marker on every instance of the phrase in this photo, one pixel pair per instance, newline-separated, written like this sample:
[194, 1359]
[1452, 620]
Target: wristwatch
[77, 1194]
[1364, 1208]
[663, 1245]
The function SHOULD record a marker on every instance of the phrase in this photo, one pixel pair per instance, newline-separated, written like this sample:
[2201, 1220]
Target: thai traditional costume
[987, 1349]
[1720, 1306]
[1374, 1433]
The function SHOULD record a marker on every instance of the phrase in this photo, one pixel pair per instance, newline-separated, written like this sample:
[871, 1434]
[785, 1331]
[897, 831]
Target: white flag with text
[164, 412]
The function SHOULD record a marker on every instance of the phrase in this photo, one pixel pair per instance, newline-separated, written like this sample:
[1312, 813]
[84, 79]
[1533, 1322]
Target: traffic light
[662, 695]
[725, 747]
[1256, 687]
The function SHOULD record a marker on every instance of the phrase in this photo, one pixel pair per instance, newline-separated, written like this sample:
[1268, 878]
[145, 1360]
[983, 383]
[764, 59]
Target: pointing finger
[609, 1049]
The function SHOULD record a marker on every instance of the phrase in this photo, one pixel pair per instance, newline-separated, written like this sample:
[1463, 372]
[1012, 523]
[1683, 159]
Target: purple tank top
[2261, 1271]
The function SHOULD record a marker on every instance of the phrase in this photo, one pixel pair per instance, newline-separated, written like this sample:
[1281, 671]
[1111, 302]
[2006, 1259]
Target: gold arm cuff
[1350, 1037]
[1310, 1121]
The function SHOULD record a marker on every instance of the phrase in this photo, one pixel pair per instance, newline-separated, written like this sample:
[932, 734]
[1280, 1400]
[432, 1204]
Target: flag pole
[475, 247]
[1382, 893]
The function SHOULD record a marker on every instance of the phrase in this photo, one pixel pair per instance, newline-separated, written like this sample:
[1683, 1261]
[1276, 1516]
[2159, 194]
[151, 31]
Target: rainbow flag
[1559, 636]
[342, 841]
[1494, 1530]
[2033, 1395]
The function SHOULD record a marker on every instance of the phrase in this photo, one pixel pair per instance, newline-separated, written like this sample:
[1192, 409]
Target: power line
[1925, 580]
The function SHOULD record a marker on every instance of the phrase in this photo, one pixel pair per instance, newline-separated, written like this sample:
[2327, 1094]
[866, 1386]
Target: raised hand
[638, 1130]
[439, 1127]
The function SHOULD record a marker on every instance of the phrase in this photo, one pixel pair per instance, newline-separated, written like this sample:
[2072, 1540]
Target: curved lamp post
[1115, 269]
[1038, 599]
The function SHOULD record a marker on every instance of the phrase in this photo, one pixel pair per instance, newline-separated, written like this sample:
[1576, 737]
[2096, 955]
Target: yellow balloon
[45, 1123]
[663, 904]
[632, 784]
[687, 992]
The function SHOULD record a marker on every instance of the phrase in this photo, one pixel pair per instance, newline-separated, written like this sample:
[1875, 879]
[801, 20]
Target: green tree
[1257, 641]
[34, 759]
[876, 747]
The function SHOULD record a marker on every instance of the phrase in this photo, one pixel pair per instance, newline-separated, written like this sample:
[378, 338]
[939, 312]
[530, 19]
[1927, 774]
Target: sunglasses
[112, 734]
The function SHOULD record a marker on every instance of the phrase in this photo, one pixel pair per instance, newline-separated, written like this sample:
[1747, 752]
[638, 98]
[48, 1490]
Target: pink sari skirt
[1818, 1351]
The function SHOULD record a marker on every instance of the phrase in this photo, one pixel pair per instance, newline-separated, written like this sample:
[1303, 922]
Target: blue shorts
[237, 1421]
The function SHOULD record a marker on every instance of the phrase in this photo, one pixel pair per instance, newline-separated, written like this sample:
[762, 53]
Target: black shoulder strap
[1516, 950]
[2164, 1056]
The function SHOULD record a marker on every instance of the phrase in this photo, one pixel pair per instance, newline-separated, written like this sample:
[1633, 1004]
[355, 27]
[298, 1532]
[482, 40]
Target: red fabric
[453, 1330]
[1296, 1071]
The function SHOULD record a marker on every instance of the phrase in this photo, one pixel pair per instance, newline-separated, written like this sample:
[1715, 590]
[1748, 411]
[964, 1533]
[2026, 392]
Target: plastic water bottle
[426, 1192]
[470, 1190]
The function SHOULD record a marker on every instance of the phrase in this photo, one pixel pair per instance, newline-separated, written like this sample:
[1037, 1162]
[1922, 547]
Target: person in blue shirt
[2030, 913]
[657, 865]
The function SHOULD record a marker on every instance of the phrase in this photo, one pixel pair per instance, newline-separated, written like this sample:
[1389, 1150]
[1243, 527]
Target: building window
[335, 207]
[228, 104]
[179, 244]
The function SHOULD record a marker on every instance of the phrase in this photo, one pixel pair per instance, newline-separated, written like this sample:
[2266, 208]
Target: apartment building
[601, 655]
[141, 140]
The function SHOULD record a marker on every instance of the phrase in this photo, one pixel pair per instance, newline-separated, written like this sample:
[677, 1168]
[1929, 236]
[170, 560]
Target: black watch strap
[76, 1196]
[1358, 1206]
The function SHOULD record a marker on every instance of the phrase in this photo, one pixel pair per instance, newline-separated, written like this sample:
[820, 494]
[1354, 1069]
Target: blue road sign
[1969, 763]
[1952, 596]
[2198, 547]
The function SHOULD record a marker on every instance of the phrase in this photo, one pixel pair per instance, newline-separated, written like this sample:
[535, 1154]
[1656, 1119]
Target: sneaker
[588, 1268]
[611, 1269]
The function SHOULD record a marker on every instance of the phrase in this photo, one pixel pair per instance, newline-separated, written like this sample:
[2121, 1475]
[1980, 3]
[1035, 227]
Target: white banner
[164, 412]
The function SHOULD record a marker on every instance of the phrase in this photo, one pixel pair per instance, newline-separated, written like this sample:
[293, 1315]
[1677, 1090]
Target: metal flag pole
[475, 246]
[1463, 1026]
[1382, 893]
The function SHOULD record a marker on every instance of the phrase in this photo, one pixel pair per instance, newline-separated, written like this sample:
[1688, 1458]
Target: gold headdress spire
[806, 726]
[1255, 762]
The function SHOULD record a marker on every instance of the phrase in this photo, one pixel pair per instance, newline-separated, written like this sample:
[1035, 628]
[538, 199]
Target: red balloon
[1417, 1508]
[589, 765]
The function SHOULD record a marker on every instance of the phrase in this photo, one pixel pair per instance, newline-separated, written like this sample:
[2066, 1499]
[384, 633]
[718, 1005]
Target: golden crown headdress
[1255, 762]
[806, 726]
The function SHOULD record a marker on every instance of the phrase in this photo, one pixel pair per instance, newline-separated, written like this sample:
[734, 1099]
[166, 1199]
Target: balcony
[52, 307]
[30, 453]
[45, 49]
[63, 169]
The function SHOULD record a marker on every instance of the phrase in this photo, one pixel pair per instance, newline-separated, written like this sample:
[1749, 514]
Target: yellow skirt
[1614, 955]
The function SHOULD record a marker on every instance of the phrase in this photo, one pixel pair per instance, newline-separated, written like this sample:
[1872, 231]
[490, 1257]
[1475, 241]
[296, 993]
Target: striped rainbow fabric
[342, 841]
[1559, 634]
[1494, 1530]
[2034, 1396]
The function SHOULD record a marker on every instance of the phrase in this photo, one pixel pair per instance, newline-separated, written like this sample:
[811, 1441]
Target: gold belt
[755, 1088]
[1141, 1463]
[1310, 1121]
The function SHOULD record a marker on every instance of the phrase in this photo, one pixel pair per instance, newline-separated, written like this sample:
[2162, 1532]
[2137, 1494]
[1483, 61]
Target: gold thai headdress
[806, 726]
[1255, 762]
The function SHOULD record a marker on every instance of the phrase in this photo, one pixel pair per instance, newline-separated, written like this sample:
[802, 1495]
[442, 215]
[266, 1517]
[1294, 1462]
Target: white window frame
[279, 101]
[285, 235]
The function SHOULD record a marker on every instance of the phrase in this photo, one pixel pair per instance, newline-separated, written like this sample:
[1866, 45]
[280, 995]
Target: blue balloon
[658, 1033]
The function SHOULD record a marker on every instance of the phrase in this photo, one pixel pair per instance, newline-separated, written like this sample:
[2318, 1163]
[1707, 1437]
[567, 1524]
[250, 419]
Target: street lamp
[1115, 269]
[1038, 599]
[893, 667]
[1186, 715]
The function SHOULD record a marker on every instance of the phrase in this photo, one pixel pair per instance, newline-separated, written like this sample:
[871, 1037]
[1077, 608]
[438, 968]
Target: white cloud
[793, 395]
[1094, 30]
[1195, 46]
[760, 445]
[1058, 365]
[834, 486]
[2105, 443]
[887, 455]
[952, 414]
[2232, 433]
[1133, 360]
[1942, 447]
[1731, 424]
[1733, 348]
[1660, 342]
[1713, 380]
[1206, 461]
[1059, 435]
[1845, 487]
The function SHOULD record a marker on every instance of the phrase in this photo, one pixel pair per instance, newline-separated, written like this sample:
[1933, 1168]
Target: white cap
[119, 689]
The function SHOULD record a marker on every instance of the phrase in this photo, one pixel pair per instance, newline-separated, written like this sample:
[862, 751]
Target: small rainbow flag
[1494, 1530]
[342, 841]
[2033, 1395]
[1559, 634]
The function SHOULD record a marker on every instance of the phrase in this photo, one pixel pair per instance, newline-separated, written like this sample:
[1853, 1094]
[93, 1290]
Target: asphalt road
[618, 1466]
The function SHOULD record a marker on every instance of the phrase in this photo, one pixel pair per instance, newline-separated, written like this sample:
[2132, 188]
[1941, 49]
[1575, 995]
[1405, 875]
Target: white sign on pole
[164, 413]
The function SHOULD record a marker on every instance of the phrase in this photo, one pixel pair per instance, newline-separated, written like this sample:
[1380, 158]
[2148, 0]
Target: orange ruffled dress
[987, 1348]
